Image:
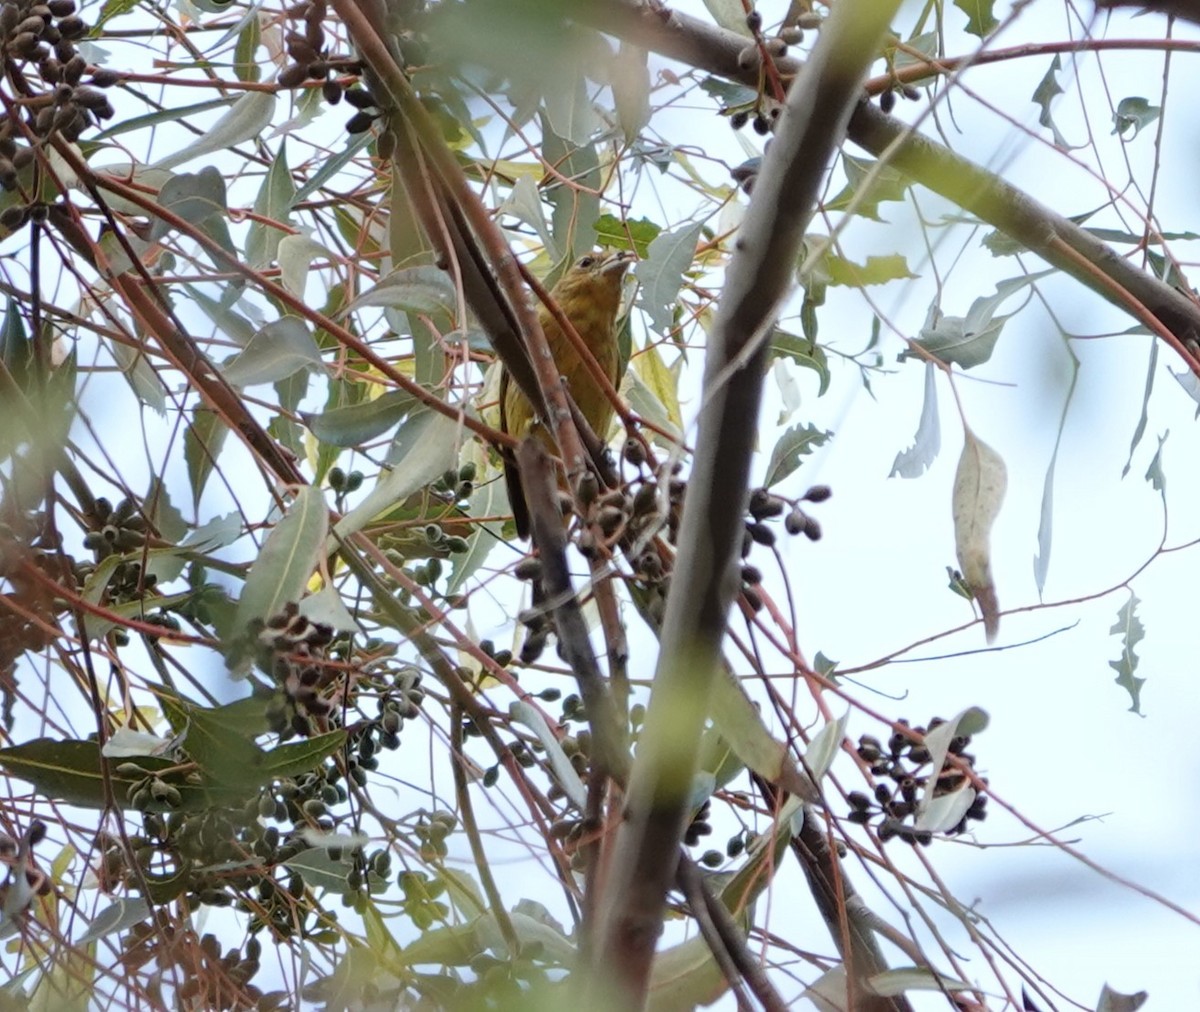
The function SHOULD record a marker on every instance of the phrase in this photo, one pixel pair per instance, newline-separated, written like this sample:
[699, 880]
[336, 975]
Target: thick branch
[759, 276]
[1058, 241]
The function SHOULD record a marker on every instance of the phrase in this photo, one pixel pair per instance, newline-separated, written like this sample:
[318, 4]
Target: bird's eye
[586, 262]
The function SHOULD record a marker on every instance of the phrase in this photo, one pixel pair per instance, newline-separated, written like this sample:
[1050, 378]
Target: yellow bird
[589, 294]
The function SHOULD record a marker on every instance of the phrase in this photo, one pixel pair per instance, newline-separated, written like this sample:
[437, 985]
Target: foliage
[273, 678]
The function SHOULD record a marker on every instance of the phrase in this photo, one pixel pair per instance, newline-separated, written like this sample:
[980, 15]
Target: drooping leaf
[979, 487]
[918, 458]
[825, 746]
[1047, 90]
[1154, 473]
[287, 560]
[202, 444]
[1140, 429]
[192, 197]
[631, 89]
[410, 289]
[804, 353]
[1129, 627]
[272, 205]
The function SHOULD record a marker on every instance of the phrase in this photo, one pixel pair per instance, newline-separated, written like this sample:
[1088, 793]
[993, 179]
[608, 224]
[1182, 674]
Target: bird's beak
[617, 262]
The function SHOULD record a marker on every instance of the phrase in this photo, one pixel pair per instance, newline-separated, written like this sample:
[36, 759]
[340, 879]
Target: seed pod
[385, 145]
[762, 534]
[8, 174]
[314, 34]
[747, 58]
[318, 69]
[61, 8]
[292, 76]
[73, 70]
[332, 92]
[762, 125]
[89, 97]
[73, 27]
[359, 123]
[23, 43]
[14, 217]
[10, 14]
[792, 35]
[818, 493]
[775, 47]
[44, 121]
[739, 119]
[887, 100]
[32, 25]
[104, 78]
[634, 452]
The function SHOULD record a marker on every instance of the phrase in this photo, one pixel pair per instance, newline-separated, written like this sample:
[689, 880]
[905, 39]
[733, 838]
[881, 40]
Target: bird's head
[596, 277]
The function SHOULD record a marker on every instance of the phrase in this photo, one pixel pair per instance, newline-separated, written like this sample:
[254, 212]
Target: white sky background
[1061, 744]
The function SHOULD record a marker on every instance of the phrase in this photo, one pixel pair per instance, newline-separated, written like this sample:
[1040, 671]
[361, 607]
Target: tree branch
[812, 126]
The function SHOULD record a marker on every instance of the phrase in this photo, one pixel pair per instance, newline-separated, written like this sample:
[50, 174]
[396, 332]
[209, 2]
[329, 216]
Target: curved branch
[1057, 240]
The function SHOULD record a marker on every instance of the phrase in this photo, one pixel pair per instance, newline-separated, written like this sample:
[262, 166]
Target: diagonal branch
[1169, 313]
[819, 104]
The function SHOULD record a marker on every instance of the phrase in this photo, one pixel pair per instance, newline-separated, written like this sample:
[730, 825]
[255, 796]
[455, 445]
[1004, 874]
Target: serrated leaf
[629, 233]
[919, 457]
[979, 487]
[357, 424]
[287, 560]
[1136, 113]
[790, 449]
[875, 182]
[661, 274]
[1154, 473]
[1115, 1001]
[1047, 90]
[981, 22]
[1129, 627]
[878, 270]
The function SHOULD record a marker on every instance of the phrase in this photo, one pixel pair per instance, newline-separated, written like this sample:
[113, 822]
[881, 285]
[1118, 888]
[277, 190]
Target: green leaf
[804, 353]
[630, 233]
[202, 444]
[278, 350]
[575, 206]
[248, 117]
[1154, 473]
[273, 204]
[287, 560]
[320, 871]
[411, 289]
[71, 771]
[299, 757]
[1129, 627]
[1136, 113]
[728, 93]
[193, 197]
[969, 341]
[825, 746]
[661, 274]
[1047, 90]
[357, 424]
[218, 749]
[875, 182]
[980, 20]
[878, 270]
[796, 443]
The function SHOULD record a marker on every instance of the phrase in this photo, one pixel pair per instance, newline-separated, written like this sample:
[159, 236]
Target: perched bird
[589, 294]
